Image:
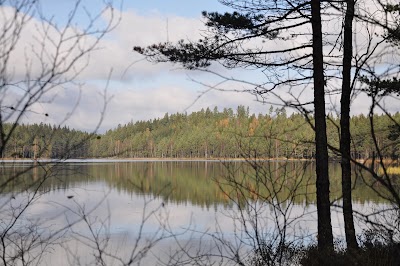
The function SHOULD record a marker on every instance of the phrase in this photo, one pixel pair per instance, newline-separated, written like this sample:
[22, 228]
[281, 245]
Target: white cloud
[143, 90]
[137, 30]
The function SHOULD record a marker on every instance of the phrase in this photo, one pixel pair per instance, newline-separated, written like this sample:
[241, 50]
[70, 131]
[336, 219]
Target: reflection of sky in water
[124, 210]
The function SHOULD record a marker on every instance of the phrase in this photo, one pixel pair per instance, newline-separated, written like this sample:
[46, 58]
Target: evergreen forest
[206, 134]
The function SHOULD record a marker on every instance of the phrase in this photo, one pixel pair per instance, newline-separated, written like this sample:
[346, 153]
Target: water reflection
[179, 182]
[131, 201]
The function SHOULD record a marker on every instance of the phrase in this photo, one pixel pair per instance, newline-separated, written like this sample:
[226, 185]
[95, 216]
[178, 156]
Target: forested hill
[203, 134]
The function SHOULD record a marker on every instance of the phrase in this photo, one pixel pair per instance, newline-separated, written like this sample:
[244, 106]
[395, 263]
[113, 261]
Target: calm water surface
[131, 200]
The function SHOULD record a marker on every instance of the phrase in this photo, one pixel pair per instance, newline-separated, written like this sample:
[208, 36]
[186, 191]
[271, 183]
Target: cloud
[142, 90]
[116, 51]
[82, 107]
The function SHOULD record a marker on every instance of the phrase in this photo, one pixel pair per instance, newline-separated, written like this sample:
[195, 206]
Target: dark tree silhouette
[227, 43]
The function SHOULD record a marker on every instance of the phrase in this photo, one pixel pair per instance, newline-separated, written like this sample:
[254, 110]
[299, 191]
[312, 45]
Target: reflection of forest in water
[196, 182]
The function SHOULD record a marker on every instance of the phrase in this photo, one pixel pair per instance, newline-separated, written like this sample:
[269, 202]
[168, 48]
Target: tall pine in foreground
[264, 24]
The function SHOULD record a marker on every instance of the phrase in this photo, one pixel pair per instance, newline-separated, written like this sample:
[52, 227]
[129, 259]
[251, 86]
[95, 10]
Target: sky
[133, 88]
[118, 86]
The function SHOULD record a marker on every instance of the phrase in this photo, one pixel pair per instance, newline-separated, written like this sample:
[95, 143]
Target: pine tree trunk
[325, 237]
[345, 128]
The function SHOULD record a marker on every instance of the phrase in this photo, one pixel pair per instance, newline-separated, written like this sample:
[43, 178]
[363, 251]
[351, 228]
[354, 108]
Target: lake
[154, 208]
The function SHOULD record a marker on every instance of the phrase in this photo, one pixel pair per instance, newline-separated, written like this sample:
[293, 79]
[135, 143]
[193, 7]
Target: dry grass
[391, 170]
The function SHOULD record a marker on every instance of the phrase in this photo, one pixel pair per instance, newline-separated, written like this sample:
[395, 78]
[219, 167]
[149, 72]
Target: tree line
[205, 134]
[45, 141]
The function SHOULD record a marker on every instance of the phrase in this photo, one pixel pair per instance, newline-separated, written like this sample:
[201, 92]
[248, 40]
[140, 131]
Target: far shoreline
[112, 159]
[386, 161]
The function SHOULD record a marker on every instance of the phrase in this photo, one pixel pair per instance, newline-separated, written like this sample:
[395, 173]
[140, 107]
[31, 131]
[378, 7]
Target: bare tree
[98, 239]
[379, 177]
[38, 55]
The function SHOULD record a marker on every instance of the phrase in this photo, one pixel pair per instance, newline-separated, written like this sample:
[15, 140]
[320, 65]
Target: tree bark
[325, 237]
[345, 137]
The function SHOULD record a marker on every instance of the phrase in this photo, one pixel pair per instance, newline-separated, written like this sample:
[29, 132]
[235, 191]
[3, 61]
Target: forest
[210, 134]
